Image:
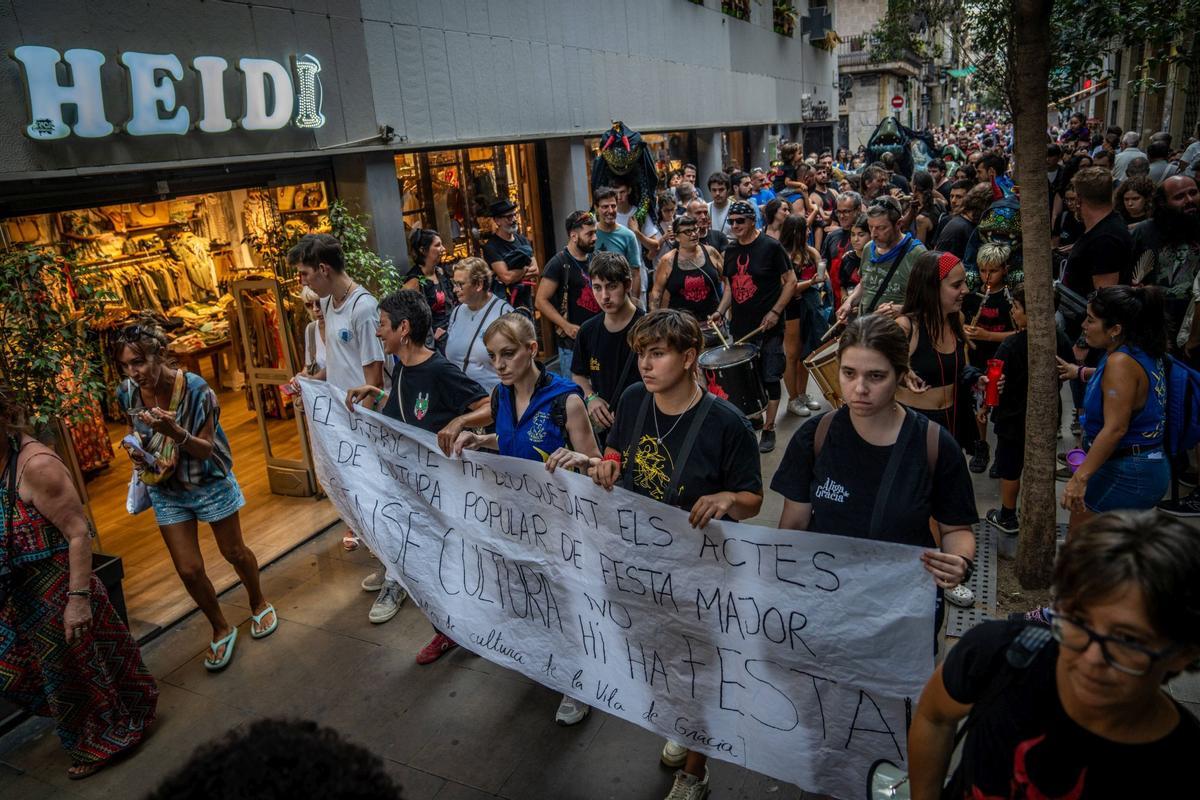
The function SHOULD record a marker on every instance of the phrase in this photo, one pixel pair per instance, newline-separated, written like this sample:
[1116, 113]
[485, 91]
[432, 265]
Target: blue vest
[536, 434]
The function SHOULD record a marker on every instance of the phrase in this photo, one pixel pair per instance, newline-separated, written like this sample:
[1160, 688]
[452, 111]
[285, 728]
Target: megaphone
[886, 781]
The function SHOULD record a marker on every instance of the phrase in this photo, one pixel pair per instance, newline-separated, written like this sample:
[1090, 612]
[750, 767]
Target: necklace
[658, 437]
[345, 294]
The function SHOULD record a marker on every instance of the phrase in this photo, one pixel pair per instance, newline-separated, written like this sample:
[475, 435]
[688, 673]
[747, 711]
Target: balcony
[854, 56]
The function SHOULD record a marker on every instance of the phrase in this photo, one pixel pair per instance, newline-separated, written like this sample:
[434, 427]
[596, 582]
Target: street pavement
[460, 729]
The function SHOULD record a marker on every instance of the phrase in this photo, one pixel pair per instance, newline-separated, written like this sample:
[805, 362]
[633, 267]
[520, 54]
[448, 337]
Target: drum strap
[888, 279]
[689, 441]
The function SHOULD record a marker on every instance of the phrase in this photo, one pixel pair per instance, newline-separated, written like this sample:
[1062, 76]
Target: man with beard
[837, 240]
[510, 255]
[874, 182]
[1166, 249]
[825, 199]
[743, 189]
[718, 209]
[967, 204]
[937, 171]
[566, 278]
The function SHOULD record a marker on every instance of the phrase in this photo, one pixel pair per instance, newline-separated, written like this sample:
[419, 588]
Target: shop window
[449, 191]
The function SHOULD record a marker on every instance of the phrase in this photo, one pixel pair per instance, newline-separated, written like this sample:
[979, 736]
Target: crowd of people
[917, 281]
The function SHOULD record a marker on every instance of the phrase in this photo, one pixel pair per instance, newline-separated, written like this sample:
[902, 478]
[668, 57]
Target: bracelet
[587, 400]
[614, 457]
[80, 593]
[183, 441]
[970, 569]
[379, 397]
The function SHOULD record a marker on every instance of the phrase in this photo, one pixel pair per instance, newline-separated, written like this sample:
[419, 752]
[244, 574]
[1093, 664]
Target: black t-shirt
[782, 176]
[843, 484]
[1021, 743]
[755, 272]
[517, 254]
[1069, 229]
[571, 275]
[430, 394]
[601, 356]
[991, 312]
[439, 294]
[901, 183]
[1106, 248]
[723, 459]
[954, 235]
[1009, 417]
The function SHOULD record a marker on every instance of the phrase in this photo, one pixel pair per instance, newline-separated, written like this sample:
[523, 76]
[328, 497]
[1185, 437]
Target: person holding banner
[427, 392]
[655, 449]
[1051, 715]
[876, 469]
[537, 414]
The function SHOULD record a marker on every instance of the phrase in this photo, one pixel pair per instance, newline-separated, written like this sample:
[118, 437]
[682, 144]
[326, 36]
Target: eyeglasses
[686, 232]
[1120, 654]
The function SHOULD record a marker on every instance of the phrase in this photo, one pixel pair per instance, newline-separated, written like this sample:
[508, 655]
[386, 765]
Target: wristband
[80, 593]
[614, 457]
[970, 569]
[379, 397]
[587, 400]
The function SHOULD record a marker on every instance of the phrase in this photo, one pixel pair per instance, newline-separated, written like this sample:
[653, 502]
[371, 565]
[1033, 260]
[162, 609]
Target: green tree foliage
[46, 356]
[378, 274]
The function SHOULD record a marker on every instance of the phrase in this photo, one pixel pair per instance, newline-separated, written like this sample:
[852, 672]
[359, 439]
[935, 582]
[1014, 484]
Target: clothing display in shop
[192, 251]
[259, 214]
[205, 325]
[154, 283]
[89, 435]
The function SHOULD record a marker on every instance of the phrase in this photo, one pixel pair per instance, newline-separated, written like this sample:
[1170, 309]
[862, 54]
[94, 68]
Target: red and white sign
[897, 102]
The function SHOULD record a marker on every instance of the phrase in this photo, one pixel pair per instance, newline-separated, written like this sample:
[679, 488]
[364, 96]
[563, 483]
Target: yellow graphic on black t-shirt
[652, 467]
[594, 364]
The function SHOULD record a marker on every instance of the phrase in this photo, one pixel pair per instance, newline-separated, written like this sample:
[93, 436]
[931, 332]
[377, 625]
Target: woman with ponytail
[1124, 413]
[431, 279]
[941, 377]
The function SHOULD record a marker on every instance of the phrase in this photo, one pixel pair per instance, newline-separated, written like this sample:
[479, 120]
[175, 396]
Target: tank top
[933, 367]
[1147, 425]
[695, 289]
[30, 537]
[539, 431]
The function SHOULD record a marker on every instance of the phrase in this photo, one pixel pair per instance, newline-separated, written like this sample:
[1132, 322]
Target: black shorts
[772, 361]
[1010, 457]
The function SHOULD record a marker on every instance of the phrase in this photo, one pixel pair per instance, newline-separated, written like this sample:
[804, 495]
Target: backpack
[1182, 407]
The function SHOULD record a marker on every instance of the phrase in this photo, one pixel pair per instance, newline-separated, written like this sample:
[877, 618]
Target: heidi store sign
[274, 96]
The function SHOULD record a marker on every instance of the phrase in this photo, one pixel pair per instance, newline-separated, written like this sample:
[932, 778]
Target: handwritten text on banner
[793, 654]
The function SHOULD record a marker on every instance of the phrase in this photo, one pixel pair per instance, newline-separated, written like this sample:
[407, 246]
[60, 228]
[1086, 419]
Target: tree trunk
[1030, 65]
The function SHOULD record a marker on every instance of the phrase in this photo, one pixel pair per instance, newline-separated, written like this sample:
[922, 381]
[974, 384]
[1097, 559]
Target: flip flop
[257, 620]
[229, 641]
[80, 770]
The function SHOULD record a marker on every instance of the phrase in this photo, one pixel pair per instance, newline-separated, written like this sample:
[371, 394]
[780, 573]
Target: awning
[961, 73]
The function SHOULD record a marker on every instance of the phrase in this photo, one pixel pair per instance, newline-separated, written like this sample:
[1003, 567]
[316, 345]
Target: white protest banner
[798, 655]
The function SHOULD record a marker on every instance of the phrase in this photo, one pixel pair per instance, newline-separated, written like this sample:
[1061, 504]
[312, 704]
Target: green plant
[364, 265]
[45, 353]
[786, 8]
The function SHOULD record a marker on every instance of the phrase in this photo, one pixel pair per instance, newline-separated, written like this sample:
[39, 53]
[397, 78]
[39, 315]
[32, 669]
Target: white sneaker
[813, 405]
[797, 407]
[689, 787]
[571, 711]
[388, 602]
[961, 596]
[673, 754]
[374, 581]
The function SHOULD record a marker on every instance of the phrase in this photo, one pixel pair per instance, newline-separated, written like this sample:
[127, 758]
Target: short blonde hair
[517, 328]
[308, 296]
[477, 269]
[993, 254]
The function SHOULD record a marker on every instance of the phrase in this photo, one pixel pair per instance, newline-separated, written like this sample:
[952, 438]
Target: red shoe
[431, 652]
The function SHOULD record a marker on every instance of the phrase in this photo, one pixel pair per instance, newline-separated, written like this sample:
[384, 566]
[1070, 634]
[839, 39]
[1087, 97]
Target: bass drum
[823, 365]
[731, 373]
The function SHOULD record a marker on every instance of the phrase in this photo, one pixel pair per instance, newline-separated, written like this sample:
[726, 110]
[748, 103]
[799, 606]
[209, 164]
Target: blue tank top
[1147, 425]
[537, 433]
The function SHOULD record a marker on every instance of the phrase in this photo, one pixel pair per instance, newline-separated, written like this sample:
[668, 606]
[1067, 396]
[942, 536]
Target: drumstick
[750, 335]
[832, 331]
[717, 330]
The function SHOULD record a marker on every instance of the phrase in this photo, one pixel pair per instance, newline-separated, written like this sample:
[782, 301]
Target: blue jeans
[565, 357]
[1129, 483]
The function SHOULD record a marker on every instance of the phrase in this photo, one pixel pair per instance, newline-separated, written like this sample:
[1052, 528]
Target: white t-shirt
[719, 216]
[465, 335]
[350, 341]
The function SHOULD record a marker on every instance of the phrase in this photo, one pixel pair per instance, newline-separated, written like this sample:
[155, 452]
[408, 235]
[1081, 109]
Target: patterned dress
[98, 689]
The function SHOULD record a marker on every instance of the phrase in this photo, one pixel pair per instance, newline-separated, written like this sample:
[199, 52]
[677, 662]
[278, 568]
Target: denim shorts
[209, 502]
[1128, 483]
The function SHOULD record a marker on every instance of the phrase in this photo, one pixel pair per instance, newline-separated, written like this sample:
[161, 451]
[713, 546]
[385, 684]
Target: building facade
[171, 151]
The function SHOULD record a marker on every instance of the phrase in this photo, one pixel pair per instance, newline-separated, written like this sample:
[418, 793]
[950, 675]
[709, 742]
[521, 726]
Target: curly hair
[276, 759]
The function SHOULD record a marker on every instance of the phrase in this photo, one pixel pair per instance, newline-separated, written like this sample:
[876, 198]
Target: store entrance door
[271, 361]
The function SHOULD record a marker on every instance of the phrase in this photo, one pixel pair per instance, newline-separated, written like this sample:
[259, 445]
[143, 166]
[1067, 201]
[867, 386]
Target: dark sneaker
[1188, 478]
[1002, 521]
[1183, 507]
[979, 461]
[431, 652]
[1063, 473]
[767, 442]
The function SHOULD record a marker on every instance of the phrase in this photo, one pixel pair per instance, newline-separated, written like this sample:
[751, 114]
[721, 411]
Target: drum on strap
[713, 335]
[731, 373]
[823, 365]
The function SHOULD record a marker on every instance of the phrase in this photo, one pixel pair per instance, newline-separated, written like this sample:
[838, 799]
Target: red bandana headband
[947, 262]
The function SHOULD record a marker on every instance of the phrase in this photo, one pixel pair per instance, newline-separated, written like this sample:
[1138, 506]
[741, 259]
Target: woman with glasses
[175, 416]
[1124, 404]
[314, 333]
[432, 280]
[1079, 710]
[688, 278]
